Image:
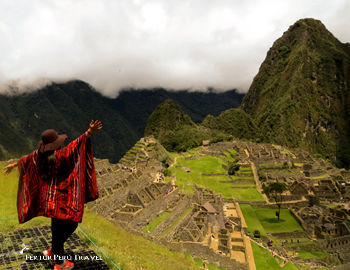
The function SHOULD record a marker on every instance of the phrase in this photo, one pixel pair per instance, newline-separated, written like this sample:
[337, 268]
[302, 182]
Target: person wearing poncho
[56, 182]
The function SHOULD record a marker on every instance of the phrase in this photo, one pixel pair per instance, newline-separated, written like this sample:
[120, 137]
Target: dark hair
[47, 164]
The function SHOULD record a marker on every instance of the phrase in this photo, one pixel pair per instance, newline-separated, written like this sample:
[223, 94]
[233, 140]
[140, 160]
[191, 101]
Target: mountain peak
[300, 95]
[167, 116]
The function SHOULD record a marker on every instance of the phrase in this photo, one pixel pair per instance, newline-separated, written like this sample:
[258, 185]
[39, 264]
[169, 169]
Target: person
[55, 182]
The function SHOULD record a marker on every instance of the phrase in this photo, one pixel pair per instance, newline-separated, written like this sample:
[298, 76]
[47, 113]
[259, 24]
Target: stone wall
[204, 252]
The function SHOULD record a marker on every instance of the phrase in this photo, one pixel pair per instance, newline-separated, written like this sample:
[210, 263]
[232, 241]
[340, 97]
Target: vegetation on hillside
[69, 107]
[300, 96]
[235, 122]
[127, 250]
[176, 131]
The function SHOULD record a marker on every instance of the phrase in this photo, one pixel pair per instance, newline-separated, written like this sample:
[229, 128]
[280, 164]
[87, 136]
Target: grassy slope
[307, 254]
[265, 261]
[211, 165]
[156, 222]
[125, 249]
[265, 221]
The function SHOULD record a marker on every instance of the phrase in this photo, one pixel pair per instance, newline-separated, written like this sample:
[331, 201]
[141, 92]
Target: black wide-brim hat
[51, 140]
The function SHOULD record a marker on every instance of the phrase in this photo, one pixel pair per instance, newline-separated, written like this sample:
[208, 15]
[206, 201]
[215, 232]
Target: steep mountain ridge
[300, 96]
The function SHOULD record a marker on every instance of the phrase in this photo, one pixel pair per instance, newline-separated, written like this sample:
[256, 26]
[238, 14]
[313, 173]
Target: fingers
[7, 170]
[95, 125]
[98, 124]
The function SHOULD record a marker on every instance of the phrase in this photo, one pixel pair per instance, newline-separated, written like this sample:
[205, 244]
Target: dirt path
[257, 182]
[246, 152]
[173, 164]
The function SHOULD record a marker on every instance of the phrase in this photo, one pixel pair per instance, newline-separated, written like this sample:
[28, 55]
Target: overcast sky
[180, 44]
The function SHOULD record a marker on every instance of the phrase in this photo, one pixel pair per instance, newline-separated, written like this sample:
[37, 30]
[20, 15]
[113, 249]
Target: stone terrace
[134, 197]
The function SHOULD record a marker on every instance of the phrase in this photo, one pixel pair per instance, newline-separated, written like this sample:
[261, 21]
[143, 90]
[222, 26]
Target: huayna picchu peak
[300, 96]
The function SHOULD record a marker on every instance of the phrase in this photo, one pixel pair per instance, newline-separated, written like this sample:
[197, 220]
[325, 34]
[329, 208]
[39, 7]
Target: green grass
[245, 169]
[227, 156]
[264, 220]
[230, 154]
[265, 261]
[246, 194]
[156, 221]
[318, 177]
[128, 251]
[244, 172]
[212, 266]
[307, 254]
[176, 222]
[243, 185]
[243, 177]
[269, 221]
[298, 164]
[206, 164]
[199, 262]
[252, 219]
[232, 151]
[211, 165]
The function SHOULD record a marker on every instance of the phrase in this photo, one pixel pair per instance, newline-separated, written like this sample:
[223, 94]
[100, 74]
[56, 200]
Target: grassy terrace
[306, 254]
[128, 251]
[156, 221]
[175, 222]
[265, 261]
[248, 169]
[200, 262]
[264, 220]
[230, 154]
[240, 177]
[318, 177]
[246, 194]
[218, 183]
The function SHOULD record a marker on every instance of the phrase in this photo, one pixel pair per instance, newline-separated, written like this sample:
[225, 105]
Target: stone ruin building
[133, 193]
[322, 222]
[317, 193]
[213, 223]
[132, 196]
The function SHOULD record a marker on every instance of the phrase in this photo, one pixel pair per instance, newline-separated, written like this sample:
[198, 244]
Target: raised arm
[9, 168]
[94, 127]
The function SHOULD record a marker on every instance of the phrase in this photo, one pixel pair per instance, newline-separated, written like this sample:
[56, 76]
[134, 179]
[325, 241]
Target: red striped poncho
[61, 197]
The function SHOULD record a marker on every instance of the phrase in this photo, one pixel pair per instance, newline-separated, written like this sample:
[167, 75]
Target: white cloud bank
[113, 44]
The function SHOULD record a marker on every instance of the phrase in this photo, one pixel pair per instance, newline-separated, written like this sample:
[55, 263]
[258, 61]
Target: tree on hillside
[274, 191]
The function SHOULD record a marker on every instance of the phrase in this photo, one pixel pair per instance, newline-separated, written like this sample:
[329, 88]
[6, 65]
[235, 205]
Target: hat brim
[52, 146]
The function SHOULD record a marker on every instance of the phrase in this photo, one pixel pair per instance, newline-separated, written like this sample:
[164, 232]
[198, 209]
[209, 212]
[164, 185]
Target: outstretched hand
[9, 168]
[94, 126]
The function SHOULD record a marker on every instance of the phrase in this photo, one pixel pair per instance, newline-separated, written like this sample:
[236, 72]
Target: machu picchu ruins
[139, 195]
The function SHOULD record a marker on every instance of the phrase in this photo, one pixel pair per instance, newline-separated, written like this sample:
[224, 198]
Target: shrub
[233, 168]
[167, 172]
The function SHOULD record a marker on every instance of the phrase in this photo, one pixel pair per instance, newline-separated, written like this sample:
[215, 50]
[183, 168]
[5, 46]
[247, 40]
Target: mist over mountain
[69, 107]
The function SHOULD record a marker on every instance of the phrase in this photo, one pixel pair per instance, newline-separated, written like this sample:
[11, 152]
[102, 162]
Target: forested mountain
[68, 107]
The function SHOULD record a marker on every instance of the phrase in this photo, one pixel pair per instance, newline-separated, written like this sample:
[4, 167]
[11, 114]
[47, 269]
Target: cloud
[173, 44]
